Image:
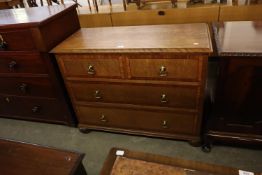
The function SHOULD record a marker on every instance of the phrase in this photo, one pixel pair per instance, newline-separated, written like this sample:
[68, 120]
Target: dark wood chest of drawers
[141, 80]
[237, 112]
[31, 87]
[19, 158]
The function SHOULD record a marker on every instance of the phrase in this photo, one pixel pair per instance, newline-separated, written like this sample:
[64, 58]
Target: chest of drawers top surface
[152, 38]
[239, 38]
[28, 17]
[36, 29]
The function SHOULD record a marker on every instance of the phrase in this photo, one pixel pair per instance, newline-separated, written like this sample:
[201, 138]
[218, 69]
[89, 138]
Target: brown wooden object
[31, 86]
[8, 4]
[126, 162]
[145, 80]
[19, 158]
[237, 114]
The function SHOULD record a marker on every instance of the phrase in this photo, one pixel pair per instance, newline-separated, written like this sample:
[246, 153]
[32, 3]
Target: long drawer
[30, 108]
[140, 94]
[166, 122]
[16, 40]
[31, 86]
[165, 67]
[91, 66]
[26, 63]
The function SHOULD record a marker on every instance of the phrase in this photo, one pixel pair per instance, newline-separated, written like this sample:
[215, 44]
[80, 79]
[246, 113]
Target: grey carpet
[96, 145]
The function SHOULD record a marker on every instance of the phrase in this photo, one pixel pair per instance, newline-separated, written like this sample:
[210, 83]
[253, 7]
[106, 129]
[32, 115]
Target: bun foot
[195, 143]
[84, 130]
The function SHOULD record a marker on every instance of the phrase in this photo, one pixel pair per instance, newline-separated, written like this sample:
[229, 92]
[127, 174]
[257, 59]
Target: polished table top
[149, 38]
[239, 38]
[18, 158]
[30, 16]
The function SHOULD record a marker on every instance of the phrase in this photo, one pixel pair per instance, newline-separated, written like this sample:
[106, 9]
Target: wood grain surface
[18, 158]
[155, 38]
[143, 164]
[28, 17]
[239, 38]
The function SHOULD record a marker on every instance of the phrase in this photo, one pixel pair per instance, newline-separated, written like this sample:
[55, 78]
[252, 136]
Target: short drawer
[91, 66]
[32, 86]
[166, 122]
[161, 67]
[16, 40]
[26, 63]
[30, 108]
[139, 94]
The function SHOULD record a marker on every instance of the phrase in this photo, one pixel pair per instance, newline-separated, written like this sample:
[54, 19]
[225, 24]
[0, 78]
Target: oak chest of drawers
[31, 87]
[145, 80]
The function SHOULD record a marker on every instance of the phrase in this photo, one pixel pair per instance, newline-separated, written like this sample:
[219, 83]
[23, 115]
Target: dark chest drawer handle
[103, 119]
[7, 99]
[36, 109]
[98, 94]
[23, 88]
[164, 124]
[91, 70]
[164, 98]
[3, 44]
[163, 71]
[12, 65]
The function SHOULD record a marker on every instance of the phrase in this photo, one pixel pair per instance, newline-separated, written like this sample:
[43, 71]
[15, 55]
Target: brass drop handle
[91, 70]
[7, 99]
[3, 44]
[163, 71]
[164, 124]
[36, 109]
[23, 88]
[103, 119]
[98, 94]
[164, 98]
[12, 65]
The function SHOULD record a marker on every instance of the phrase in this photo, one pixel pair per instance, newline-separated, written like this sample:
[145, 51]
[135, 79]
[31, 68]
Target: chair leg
[89, 5]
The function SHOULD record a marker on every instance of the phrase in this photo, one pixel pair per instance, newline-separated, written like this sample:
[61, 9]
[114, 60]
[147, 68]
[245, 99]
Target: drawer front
[33, 86]
[166, 96]
[181, 68]
[90, 66]
[30, 108]
[139, 120]
[11, 63]
[16, 40]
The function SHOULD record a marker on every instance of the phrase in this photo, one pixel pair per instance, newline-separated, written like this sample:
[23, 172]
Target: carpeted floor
[96, 145]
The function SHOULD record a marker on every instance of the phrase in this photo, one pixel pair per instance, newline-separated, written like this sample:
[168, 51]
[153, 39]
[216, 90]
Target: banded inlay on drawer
[136, 119]
[140, 94]
[16, 40]
[184, 67]
[32, 86]
[91, 66]
[31, 108]
[27, 63]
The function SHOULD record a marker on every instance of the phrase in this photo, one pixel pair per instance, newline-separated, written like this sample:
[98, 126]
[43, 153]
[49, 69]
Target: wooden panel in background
[171, 16]
[92, 18]
[95, 20]
[240, 13]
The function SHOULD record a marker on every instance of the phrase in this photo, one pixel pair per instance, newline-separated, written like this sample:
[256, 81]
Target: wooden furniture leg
[89, 5]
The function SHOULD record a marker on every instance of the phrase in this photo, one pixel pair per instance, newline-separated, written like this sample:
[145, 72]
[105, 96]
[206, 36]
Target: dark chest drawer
[166, 67]
[91, 66]
[16, 40]
[21, 63]
[33, 86]
[167, 122]
[138, 94]
[30, 108]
